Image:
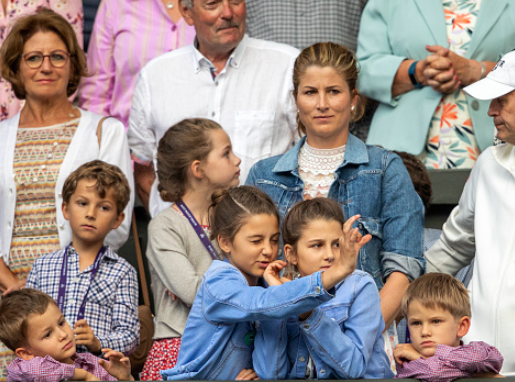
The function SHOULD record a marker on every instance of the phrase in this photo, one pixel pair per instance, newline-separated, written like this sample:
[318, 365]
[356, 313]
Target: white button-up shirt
[252, 99]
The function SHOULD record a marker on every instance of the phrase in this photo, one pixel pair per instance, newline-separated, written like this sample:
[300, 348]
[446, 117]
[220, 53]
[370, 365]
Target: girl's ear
[463, 326]
[224, 243]
[290, 254]
[196, 169]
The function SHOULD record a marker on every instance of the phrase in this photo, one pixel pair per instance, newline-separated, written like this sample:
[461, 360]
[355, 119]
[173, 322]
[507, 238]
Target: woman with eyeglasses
[42, 144]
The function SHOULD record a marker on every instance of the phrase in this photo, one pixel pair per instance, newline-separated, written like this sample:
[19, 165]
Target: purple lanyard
[62, 281]
[198, 229]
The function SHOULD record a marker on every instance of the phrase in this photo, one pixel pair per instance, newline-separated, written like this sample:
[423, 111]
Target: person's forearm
[7, 278]
[391, 296]
[144, 177]
[402, 83]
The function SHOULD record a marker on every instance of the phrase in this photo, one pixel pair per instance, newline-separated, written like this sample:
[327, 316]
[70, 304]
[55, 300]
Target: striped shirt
[112, 299]
[302, 23]
[127, 34]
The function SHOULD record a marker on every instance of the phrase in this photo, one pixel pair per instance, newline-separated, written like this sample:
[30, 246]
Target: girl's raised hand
[350, 244]
[272, 273]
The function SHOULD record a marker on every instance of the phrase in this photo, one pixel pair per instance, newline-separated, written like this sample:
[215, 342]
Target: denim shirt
[343, 336]
[370, 181]
[218, 340]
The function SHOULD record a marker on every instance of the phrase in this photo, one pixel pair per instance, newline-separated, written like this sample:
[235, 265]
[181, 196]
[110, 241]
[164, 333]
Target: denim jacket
[343, 337]
[219, 337]
[372, 182]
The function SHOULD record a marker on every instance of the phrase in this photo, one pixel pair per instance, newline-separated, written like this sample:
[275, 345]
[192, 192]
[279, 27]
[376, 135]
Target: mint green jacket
[394, 30]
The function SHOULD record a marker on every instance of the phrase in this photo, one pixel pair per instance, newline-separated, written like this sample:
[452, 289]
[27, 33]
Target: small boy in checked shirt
[437, 309]
[33, 327]
[95, 289]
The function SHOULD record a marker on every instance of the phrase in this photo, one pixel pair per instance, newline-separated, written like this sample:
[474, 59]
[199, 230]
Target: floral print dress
[451, 142]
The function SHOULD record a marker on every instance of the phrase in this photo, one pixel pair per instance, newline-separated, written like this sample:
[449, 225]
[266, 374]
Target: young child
[218, 341]
[33, 327]
[340, 339]
[194, 159]
[437, 308]
[95, 289]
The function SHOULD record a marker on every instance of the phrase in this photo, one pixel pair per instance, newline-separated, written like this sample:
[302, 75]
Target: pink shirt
[71, 10]
[47, 369]
[127, 34]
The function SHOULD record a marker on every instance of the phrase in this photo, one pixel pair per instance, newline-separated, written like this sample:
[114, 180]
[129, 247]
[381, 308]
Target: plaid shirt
[450, 363]
[47, 369]
[301, 23]
[112, 300]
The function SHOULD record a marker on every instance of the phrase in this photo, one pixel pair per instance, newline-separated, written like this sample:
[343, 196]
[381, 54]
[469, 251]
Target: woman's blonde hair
[44, 20]
[329, 55]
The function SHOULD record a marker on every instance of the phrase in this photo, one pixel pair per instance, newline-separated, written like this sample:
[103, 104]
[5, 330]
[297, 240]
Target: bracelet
[411, 73]
[483, 69]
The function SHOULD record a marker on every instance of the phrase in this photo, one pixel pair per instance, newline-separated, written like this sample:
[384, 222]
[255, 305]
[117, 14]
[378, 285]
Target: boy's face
[91, 217]
[429, 327]
[49, 334]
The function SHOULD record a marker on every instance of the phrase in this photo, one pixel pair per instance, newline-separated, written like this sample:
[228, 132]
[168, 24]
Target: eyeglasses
[58, 58]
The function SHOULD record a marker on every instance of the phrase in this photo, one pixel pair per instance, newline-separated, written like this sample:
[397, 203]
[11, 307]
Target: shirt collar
[107, 254]
[234, 60]
[355, 153]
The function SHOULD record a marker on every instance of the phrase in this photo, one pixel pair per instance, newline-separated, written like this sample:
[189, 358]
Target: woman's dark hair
[231, 208]
[324, 55]
[302, 213]
[44, 20]
[183, 143]
[419, 176]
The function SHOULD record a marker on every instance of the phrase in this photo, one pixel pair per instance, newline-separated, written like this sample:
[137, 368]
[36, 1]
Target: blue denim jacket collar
[355, 152]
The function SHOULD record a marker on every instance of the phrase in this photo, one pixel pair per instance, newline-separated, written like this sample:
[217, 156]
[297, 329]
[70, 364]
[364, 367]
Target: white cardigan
[483, 225]
[83, 148]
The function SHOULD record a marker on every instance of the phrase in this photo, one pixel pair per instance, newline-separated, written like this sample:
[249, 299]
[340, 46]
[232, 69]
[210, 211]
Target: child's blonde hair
[183, 143]
[438, 290]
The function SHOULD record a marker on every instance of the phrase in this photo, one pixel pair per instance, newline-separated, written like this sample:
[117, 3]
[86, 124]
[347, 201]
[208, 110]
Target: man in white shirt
[242, 83]
[481, 226]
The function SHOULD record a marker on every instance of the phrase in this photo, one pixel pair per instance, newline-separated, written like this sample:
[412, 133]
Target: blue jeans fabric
[218, 342]
[372, 182]
[343, 336]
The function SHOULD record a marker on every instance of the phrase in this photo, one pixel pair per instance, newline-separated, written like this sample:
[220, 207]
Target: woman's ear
[224, 243]
[463, 326]
[290, 254]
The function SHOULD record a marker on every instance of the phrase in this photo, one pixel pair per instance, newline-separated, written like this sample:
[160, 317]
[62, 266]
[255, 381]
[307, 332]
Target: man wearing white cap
[483, 224]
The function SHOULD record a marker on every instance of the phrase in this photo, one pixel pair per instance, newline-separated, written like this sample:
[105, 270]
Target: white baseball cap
[500, 81]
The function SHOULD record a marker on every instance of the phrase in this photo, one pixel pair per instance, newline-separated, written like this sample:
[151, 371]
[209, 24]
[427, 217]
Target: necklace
[170, 4]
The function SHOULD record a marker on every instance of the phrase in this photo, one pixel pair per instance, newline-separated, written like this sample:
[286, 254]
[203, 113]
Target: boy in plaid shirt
[96, 290]
[437, 309]
[33, 327]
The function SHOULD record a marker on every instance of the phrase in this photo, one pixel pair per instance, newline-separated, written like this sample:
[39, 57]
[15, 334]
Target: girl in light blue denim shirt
[218, 342]
[340, 339]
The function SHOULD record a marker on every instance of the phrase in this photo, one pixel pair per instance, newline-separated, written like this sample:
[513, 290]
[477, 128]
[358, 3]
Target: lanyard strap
[62, 281]
[198, 229]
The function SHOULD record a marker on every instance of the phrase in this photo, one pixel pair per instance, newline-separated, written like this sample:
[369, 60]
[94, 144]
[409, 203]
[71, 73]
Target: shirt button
[317, 289]
[302, 359]
[11, 191]
[72, 302]
[76, 280]
[61, 226]
[322, 371]
[306, 326]
[475, 105]
[174, 28]
[213, 114]
[216, 83]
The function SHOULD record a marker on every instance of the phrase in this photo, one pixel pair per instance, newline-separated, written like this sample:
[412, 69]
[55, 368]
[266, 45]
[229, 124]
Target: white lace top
[317, 167]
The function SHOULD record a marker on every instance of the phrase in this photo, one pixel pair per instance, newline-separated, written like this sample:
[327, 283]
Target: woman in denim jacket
[365, 180]
[340, 339]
